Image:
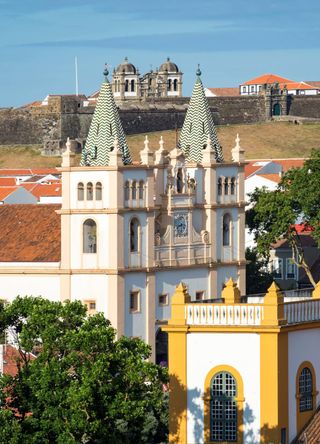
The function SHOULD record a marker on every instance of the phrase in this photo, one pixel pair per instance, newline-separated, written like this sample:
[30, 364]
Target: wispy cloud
[230, 40]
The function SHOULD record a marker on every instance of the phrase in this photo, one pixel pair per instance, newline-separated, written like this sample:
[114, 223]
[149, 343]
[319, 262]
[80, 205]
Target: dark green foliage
[84, 386]
[296, 200]
[258, 278]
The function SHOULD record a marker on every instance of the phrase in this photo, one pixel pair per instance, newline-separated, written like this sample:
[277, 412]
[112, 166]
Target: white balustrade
[303, 311]
[221, 314]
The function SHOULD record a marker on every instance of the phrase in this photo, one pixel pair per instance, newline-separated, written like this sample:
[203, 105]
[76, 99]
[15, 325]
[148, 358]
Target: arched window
[89, 236]
[175, 85]
[126, 87]
[132, 85]
[134, 190]
[223, 408]
[134, 235]
[226, 186]
[226, 232]
[98, 191]
[169, 84]
[219, 186]
[305, 390]
[141, 189]
[89, 191]
[233, 186]
[127, 190]
[80, 191]
[179, 181]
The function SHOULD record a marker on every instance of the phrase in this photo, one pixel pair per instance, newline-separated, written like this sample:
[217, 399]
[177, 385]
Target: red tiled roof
[249, 169]
[225, 92]
[7, 181]
[29, 233]
[273, 177]
[41, 190]
[267, 79]
[297, 85]
[28, 171]
[315, 83]
[6, 191]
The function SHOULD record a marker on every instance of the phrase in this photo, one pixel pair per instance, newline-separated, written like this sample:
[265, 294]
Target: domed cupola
[126, 67]
[169, 67]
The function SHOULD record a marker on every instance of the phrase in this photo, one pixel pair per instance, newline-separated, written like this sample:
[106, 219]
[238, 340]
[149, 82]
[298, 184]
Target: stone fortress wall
[65, 116]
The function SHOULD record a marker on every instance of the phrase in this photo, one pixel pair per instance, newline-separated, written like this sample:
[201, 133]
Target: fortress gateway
[131, 231]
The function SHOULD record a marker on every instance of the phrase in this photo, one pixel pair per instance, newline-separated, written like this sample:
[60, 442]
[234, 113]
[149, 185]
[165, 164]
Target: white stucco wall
[302, 346]
[91, 286]
[208, 350]
[13, 285]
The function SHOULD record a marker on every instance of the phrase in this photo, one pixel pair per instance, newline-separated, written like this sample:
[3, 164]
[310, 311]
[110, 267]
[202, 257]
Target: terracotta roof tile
[225, 92]
[250, 168]
[41, 190]
[5, 172]
[6, 191]
[267, 78]
[311, 433]
[273, 177]
[315, 83]
[29, 233]
[7, 181]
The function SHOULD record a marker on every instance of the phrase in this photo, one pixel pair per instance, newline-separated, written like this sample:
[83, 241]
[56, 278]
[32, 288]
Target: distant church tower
[127, 84]
[132, 231]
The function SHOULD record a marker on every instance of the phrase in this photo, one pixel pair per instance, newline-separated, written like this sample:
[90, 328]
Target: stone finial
[68, 155]
[146, 155]
[208, 154]
[316, 291]
[161, 153]
[237, 152]
[273, 306]
[161, 144]
[178, 301]
[115, 156]
[231, 293]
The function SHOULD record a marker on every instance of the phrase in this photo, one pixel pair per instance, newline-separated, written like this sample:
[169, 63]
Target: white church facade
[129, 231]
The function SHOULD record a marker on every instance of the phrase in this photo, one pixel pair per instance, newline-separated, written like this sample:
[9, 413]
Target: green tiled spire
[198, 126]
[104, 129]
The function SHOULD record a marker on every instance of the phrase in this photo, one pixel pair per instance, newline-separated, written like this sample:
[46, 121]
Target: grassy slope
[265, 140]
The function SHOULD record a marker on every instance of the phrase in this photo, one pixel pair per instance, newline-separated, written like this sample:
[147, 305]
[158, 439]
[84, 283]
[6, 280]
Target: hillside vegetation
[265, 140]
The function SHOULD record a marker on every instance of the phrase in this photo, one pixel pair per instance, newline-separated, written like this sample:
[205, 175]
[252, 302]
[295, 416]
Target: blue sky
[233, 40]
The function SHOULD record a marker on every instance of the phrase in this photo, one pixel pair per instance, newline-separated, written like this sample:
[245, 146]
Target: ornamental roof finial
[198, 72]
[106, 71]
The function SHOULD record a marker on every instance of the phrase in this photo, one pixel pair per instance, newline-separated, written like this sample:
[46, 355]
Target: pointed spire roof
[198, 126]
[105, 128]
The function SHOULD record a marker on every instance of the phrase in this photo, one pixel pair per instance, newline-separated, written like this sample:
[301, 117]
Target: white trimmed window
[91, 306]
[163, 299]
[134, 302]
[277, 268]
[291, 269]
[200, 295]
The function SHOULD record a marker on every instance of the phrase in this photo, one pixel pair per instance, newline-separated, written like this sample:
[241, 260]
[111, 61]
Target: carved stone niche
[205, 236]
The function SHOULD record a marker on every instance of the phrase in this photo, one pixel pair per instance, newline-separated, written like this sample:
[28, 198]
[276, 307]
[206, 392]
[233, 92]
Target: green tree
[84, 386]
[258, 278]
[296, 199]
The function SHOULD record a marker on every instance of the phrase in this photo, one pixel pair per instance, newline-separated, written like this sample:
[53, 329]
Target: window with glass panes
[223, 408]
[305, 390]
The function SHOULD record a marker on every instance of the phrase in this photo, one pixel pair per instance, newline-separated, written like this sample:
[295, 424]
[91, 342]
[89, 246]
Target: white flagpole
[76, 69]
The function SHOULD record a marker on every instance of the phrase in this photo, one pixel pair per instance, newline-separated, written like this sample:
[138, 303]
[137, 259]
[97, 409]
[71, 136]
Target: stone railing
[221, 314]
[302, 311]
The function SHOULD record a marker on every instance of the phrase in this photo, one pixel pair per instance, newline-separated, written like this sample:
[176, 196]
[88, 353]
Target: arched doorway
[162, 348]
[276, 109]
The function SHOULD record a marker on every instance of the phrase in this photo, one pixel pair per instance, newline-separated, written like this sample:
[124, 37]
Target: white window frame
[277, 264]
[166, 299]
[138, 295]
[289, 262]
